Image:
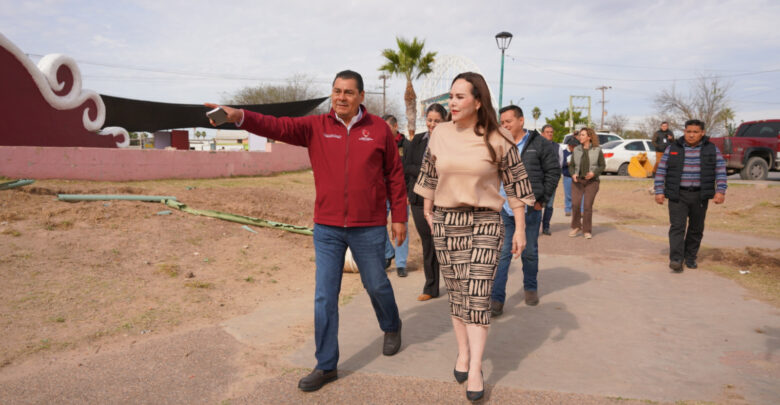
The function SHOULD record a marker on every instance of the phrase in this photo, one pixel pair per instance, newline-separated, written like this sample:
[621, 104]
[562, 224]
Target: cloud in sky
[101, 41]
[559, 47]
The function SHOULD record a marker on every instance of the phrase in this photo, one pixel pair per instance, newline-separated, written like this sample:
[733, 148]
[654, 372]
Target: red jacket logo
[366, 136]
[672, 153]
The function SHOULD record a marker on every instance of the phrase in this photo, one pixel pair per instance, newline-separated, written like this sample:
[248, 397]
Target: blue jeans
[567, 192]
[400, 252]
[548, 213]
[530, 255]
[330, 245]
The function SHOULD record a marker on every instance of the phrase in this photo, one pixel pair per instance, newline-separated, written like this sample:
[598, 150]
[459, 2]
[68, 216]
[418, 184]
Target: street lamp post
[502, 40]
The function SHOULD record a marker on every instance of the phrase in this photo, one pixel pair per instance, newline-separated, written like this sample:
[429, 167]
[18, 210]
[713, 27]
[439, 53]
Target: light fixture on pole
[503, 39]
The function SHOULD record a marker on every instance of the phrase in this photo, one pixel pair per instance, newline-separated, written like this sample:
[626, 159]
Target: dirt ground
[93, 274]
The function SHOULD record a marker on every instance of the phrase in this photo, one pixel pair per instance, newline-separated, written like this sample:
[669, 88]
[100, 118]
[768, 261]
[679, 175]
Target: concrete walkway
[613, 321]
[712, 238]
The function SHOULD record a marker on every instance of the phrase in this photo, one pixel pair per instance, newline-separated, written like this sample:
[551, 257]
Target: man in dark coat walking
[544, 171]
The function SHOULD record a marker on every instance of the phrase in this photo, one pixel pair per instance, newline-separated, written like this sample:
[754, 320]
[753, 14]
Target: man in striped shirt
[692, 171]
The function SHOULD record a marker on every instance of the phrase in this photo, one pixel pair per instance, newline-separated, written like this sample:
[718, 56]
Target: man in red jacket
[356, 170]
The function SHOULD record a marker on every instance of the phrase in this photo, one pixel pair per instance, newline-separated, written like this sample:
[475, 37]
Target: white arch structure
[438, 82]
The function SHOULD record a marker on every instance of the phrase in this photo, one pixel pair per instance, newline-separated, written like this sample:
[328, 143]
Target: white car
[617, 154]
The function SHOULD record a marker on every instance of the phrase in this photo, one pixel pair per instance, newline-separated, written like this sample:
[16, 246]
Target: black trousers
[430, 263]
[687, 225]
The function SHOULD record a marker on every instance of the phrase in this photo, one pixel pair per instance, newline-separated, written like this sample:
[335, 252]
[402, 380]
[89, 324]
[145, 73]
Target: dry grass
[763, 266]
[749, 208]
[93, 273]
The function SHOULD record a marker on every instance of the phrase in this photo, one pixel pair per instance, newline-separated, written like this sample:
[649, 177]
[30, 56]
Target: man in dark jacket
[544, 171]
[547, 133]
[400, 252]
[661, 140]
[356, 170]
[691, 172]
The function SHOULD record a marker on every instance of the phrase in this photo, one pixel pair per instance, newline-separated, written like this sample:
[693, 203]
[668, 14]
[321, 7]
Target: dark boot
[392, 342]
[531, 297]
[316, 379]
[676, 266]
[496, 308]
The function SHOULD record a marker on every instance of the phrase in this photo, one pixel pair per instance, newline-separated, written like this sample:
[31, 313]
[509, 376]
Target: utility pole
[384, 78]
[603, 89]
[573, 108]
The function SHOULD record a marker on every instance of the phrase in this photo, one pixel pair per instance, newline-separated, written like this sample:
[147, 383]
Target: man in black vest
[691, 172]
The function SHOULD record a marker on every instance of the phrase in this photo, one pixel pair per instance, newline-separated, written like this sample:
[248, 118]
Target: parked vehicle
[754, 149]
[604, 137]
[618, 154]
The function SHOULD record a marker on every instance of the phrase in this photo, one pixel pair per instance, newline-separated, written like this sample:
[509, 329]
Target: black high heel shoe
[475, 396]
[460, 376]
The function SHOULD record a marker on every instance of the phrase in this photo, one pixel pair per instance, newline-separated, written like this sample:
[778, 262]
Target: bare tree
[297, 87]
[651, 124]
[373, 104]
[707, 100]
[617, 123]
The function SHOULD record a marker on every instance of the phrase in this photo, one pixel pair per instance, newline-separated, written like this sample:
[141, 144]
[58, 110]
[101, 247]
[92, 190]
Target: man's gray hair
[390, 119]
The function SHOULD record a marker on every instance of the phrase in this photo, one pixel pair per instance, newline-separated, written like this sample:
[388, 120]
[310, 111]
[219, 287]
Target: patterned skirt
[468, 242]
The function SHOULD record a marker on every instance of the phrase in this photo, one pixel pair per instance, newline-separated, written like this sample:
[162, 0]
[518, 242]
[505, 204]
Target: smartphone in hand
[218, 115]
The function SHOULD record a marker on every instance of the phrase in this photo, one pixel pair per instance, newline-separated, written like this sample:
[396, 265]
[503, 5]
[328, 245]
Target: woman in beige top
[466, 162]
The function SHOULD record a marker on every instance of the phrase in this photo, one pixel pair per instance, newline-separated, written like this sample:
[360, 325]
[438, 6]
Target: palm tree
[725, 116]
[409, 62]
[536, 112]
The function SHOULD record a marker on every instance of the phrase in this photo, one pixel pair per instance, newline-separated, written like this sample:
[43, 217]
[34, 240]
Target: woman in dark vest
[585, 166]
[412, 161]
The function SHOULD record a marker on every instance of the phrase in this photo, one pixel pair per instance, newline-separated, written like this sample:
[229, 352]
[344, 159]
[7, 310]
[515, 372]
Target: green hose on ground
[171, 202]
[103, 197]
[303, 230]
[15, 183]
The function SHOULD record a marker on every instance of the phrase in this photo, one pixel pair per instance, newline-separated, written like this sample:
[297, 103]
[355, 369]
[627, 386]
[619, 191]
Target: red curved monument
[51, 129]
[45, 105]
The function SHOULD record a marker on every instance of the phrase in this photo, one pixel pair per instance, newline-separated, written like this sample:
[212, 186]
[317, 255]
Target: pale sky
[196, 51]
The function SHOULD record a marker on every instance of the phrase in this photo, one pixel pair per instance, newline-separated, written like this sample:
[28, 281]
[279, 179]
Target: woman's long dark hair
[486, 115]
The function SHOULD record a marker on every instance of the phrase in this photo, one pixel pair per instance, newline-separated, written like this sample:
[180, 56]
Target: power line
[619, 65]
[226, 76]
[724, 76]
[756, 102]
